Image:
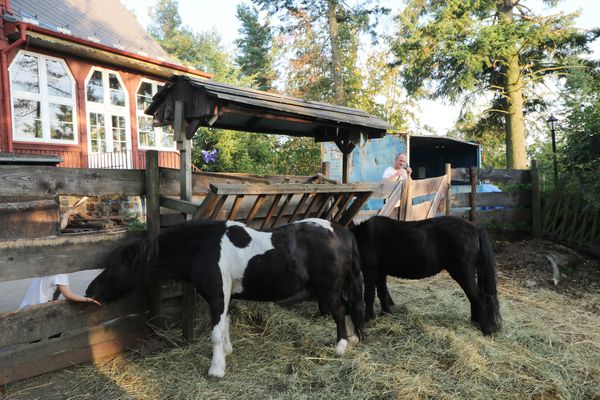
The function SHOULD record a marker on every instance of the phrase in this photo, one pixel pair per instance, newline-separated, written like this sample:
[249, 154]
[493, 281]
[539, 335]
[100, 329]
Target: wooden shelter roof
[219, 105]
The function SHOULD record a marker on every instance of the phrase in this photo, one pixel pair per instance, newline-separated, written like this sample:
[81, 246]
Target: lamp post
[552, 125]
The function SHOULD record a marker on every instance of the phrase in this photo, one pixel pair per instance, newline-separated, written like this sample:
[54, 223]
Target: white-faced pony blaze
[418, 249]
[225, 259]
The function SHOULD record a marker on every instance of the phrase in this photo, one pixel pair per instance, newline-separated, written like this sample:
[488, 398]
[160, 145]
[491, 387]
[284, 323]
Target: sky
[202, 15]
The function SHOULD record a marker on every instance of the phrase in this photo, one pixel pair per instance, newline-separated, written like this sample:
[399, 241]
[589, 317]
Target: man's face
[400, 161]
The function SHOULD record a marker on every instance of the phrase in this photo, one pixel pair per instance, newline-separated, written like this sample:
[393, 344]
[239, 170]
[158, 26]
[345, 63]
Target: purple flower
[209, 156]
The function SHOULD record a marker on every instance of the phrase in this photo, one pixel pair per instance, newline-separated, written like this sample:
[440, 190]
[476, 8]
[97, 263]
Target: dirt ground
[521, 263]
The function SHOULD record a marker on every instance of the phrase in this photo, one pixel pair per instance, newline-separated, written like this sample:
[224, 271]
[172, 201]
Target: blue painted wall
[367, 161]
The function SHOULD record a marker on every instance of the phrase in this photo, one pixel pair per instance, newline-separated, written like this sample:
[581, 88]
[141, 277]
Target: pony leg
[220, 331]
[383, 294]
[369, 294]
[469, 286]
[351, 331]
[227, 347]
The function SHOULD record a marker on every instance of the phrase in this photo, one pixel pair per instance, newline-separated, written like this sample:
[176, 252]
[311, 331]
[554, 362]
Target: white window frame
[107, 109]
[158, 130]
[45, 99]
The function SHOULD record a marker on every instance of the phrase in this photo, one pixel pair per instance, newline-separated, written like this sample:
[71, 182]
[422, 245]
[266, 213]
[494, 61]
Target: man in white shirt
[399, 171]
[48, 288]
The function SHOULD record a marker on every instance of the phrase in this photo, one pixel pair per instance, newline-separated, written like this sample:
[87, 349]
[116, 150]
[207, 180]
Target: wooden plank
[183, 206]
[23, 180]
[29, 219]
[75, 347]
[315, 200]
[152, 193]
[41, 321]
[334, 205]
[301, 203]
[342, 208]
[435, 204]
[218, 207]
[422, 187]
[260, 199]
[323, 206]
[349, 214]
[514, 176]
[521, 198]
[417, 212]
[206, 206]
[395, 196]
[267, 221]
[235, 207]
[282, 209]
[254, 189]
[501, 217]
[28, 258]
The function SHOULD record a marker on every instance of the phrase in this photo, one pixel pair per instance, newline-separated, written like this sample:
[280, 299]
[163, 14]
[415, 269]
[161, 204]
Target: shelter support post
[346, 145]
[536, 202]
[448, 173]
[153, 225]
[326, 168]
[184, 146]
[473, 196]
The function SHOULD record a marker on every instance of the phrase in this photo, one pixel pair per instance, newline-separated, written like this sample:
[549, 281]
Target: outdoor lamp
[552, 125]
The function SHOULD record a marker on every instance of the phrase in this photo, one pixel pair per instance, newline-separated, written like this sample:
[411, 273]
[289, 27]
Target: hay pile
[549, 349]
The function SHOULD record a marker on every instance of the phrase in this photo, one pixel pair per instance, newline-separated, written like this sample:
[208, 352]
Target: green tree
[579, 147]
[255, 50]
[324, 42]
[456, 48]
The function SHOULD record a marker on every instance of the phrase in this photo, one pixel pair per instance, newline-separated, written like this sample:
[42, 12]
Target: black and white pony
[225, 259]
[418, 249]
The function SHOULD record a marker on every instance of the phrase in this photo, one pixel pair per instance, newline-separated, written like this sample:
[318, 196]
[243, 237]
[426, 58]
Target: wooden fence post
[153, 223]
[326, 168]
[473, 196]
[536, 201]
[185, 193]
[448, 185]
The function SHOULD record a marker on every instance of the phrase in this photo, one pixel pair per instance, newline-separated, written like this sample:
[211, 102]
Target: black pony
[225, 259]
[419, 249]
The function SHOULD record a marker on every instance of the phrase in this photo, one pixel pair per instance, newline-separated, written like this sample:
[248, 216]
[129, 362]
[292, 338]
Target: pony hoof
[341, 347]
[228, 350]
[214, 374]
[353, 340]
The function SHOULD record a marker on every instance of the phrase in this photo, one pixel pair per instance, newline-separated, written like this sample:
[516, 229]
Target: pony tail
[491, 320]
[354, 289]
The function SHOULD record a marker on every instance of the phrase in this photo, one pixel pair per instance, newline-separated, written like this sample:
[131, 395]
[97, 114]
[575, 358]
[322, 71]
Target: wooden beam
[286, 188]
[536, 201]
[23, 180]
[28, 258]
[473, 197]
[183, 206]
[448, 174]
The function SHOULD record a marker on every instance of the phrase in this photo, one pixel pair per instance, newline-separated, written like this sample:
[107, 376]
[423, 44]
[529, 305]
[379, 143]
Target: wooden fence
[515, 207]
[568, 219]
[55, 335]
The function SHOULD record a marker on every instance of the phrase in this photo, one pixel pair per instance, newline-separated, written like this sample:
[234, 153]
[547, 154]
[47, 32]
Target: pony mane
[139, 256]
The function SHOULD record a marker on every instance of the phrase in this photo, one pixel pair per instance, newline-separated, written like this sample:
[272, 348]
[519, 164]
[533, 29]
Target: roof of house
[106, 22]
[219, 105]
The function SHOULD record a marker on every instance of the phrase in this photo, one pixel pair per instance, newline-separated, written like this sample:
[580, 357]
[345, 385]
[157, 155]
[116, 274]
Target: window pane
[118, 132]
[24, 73]
[95, 90]
[62, 130]
[117, 94]
[168, 137]
[146, 132]
[59, 83]
[144, 96]
[61, 121]
[97, 133]
[61, 112]
[27, 116]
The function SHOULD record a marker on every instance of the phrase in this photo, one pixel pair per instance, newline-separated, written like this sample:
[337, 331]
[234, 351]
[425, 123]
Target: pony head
[126, 268]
